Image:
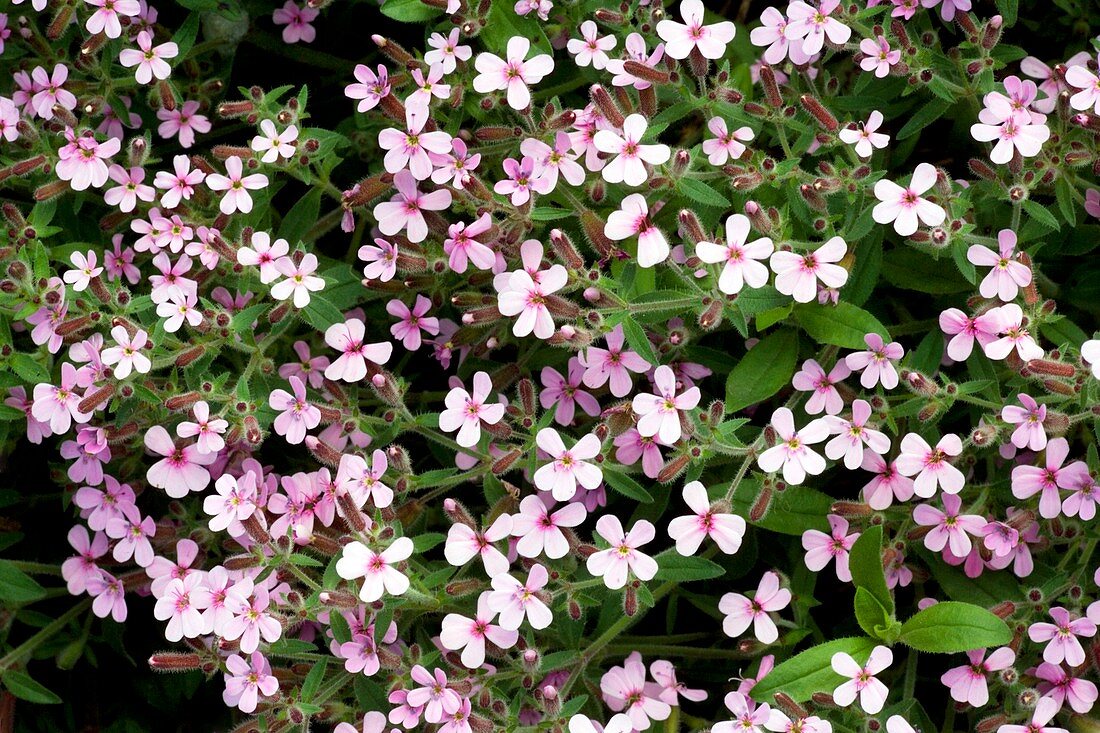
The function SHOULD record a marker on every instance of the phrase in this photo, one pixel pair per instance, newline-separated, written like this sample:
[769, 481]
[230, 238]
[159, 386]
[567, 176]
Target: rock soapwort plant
[564, 365]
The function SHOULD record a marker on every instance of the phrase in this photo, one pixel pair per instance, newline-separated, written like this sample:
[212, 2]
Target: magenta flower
[930, 465]
[862, 681]
[470, 634]
[682, 38]
[968, 683]
[949, 528]
[462, 245]
[659, 413]
[1050, 478]
[297, 21]
[792, 453]
[632, 219]
[236, 186]
[1029, 419]
[742, 612]
[904, 206]
[246, 682]
[514, 73]
[741, 259]
[370, 88]
[182, 470]
[564, 394]
[523, 178]
[877, 56]
[515, 601]
[405, 210]
[612, 364]
[412, 321]
[852, 435]
[347, 338]
[1061, 637]
[821, 548]
[1062, 687]
[797, 275]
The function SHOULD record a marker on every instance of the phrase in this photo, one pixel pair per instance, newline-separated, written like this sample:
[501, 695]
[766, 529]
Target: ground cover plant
[579, 366]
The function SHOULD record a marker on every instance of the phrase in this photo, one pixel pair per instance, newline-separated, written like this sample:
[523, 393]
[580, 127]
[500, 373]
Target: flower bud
[771, 87]
[174, 662]
[817, 110]
[606, 105]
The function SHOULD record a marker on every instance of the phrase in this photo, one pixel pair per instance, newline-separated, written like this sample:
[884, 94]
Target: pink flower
[948, 8]
[236, 186]
[410, 148]
[129, 189]
[455, 166]
[877, 364]
[725, 144]
[727, 530]
[813, 25]
[105, 18]
[631, 445]
[904, 206]
[1030, 433]
[433, 694]
[370, 88]
[59, 406]
[563, 395]
[792, 453]
[1007, 275]
[363, 480]
[618, 724]
[180, 605]
[376, 568]
[109, 595]
[539, 529]
[1063, 687]
[465, 543]
[297, 21]
[625, 688]
[180, 185]
[878, 57]
[50, 91]
[887, 484]
[821, 548]
[522, 179]
[465, 411]
[181, 470]
[446, 51]
[296, 415]
[411, 321]
[664, 674]
[964, 330]
[590, 49]
[84, 270]
[949, 528]
[347, 338]
[612, 364]
[741, 611]
[635, 51]
[513, 74]
[1040, 717]
[613, 563]
[83, 162]
[628, 165]
[682, 38]
[852, 435]
[865, 138]
[462, 246]
[149, 61]
[245, 681]
[1013, 134]
[632, 219]
[263, 253]
[1030, 480]
[275, 145]
[127, 356]
[659, 413]
[968, 682]
[1061, 637]
[133, 533]
[748, 716]
[80, 569]
[742, 266]
[526, 297]
[1092, 202]
[234, 502]
[1014, 335]
[405, 210]
[470, 634]
[797, 275]
[930, 465]
[862, 681]
[1082, 502]
[812, 378]
[184, 122]
[569, 467]
[515, 601]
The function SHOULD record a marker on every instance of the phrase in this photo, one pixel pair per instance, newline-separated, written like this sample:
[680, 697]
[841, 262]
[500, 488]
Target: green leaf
[638, 341]
[1063, 192]
[772, 316]
[28, 369]
[18, 587]
[185, 36]
[550, 213]
[951, 626]
[301, 217]
[408, 11]
[912, 270]
[922, 118]
[340, 629]
[424, 541]
[791, 511]
[312, 683]
[22, 686]
[701, 192]
[872, 617]
[1041, 214]
[811, 671]
[841, 325]
[1008, 10]
[765, 370]
[625, 485]
[865, 562]
[321, 313]
[674, 566]
[292, 647]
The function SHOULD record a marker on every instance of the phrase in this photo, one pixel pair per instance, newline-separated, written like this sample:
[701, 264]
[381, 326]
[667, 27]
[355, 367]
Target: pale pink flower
[551, 161]
[299, 280]
[465, 543]
[626, 688]
[78, 570]
[130, 188]
[246, 682]
[590, 48]
[727, 530]
[347, 338]
[296, 414]
[410, 148]
[462, 246]
[878, 57]
[85, 268]
[853, 435]
[797, 275]
[682, 38]
[370, 88]
[514, 73]
[862, 681]
[742, 259]
[182, 470]
[821, 548]
[1061, 637]
[180, 605]
[405, 210]
[523, 178]
[275, 145]
[612, 364]
[149, 61]
[127, 356]
[904, 206]
[49, 90]
[1048, 480]
[1079, 77]
[812, 378]
[377, 569]
[965, 330]
[1007, 275]
[236, 186]
[887, 484]
[59, 406]
[865, 138]
[660, 412]
[297, 21]
[813, 25]
[968, 683]
[930, 465]
[446, 51]
[949, 528]
[539, 529]
[1029, 419]
[455, 166]
[105, 19]
[250, 619]
[742, 611]
[628, 165]
[569, 467]
[1011, 324]
[432, 694]
[526, 297]
[725, 144]
[465, 411]
[109, 595]
[263, 253]
[792, 453]
[183, 121]
[234, 502]
[1012, 135]
[877, 363]
[563, 394]
[1041, 716]
[132, 533]
[619, 723]
[1063, 687]
[622, 556]
[83, 162]
[748, 716]
[470, 634]
[412, 321]
[664, 674]
[515, 601]
[632, 219]
[635, 51]
[209, 431]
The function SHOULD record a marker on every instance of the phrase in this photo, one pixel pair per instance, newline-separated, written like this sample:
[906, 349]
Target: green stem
[44, 634]
[910, 674]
